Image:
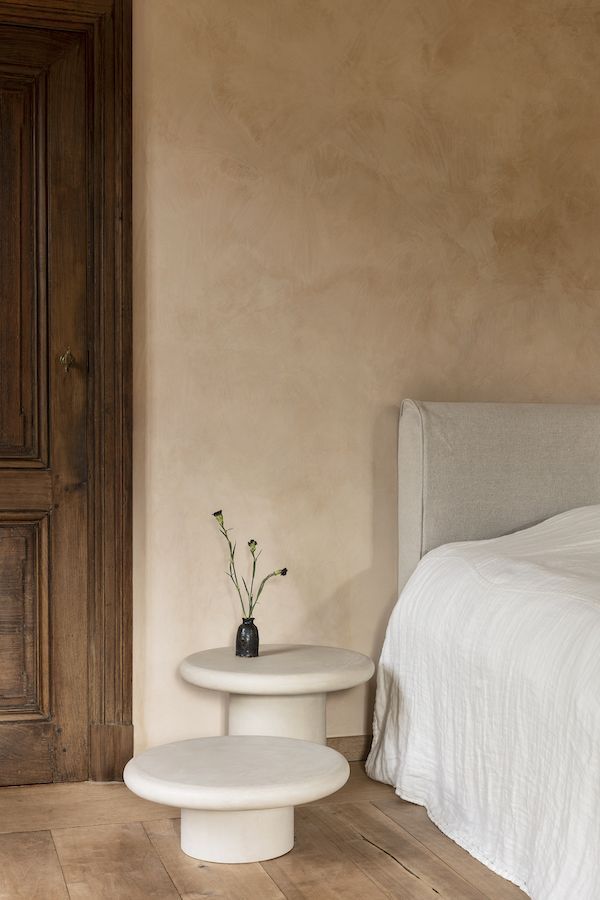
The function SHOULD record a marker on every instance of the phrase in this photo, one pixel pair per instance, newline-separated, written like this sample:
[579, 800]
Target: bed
[488, 694]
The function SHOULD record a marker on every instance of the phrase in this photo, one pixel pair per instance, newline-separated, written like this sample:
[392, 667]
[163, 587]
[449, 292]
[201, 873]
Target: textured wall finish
[337, 205]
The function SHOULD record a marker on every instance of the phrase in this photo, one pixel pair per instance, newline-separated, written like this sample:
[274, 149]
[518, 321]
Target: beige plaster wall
[337, 204]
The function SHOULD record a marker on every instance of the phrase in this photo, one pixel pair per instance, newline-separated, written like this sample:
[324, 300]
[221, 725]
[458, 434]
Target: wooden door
[43, 421]
[56, 360]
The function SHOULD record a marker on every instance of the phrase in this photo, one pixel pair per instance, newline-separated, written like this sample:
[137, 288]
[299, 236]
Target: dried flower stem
[251, 599]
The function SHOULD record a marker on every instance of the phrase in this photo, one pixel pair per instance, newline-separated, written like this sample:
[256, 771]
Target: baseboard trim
[354, 747]
[111, 746]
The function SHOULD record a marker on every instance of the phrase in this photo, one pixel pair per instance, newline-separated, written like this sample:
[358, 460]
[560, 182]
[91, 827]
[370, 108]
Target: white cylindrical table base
[237, 836]
[299, 716]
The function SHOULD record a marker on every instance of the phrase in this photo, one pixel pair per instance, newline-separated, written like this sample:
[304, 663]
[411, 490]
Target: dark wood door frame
[106, 25]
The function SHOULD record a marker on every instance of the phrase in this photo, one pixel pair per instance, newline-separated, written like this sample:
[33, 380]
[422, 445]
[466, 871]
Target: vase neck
[246, 619]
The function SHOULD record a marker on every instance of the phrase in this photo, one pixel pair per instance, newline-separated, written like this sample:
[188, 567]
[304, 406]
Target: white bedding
[488, 702]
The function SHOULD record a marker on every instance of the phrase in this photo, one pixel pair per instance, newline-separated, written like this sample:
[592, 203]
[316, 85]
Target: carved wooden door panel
[44, 266]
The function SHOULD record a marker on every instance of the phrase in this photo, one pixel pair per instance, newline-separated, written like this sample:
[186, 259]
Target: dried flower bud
[219, 516]
[281, 572]
[252, 544]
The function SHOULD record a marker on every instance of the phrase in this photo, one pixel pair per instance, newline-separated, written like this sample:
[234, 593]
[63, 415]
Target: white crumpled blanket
[488, 702]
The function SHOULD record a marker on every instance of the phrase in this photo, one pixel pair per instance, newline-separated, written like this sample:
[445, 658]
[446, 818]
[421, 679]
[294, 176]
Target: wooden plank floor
[95, 841]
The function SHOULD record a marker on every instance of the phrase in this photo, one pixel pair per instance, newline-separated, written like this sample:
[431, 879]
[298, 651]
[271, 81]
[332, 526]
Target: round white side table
[236, 794]
[281, 692]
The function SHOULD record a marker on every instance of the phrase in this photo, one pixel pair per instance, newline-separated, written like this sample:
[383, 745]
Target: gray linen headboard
[469, 471]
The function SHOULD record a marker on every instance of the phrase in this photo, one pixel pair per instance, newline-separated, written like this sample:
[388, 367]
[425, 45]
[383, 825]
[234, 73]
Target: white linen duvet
[488, 702]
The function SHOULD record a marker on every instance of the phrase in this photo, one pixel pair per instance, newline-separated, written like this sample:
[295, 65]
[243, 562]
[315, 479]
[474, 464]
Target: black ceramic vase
[246, 642]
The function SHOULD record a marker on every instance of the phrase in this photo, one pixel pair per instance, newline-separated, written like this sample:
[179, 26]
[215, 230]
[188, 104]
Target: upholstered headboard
[469, 471]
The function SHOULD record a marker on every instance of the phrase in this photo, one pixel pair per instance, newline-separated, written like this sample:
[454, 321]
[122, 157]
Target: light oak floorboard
[39, 807]
[29, 868]
[374, 826]
[359, 787]
[362, 843]
[416, 821]
[391, 877]
[195, 880]
[112, 862]
[318, 868]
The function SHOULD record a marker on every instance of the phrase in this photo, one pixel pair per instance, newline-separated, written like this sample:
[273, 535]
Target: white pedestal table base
[237, 836]
[299, 716]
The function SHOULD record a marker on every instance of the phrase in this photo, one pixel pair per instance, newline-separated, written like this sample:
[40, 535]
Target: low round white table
[236, 794]
[282, 691]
